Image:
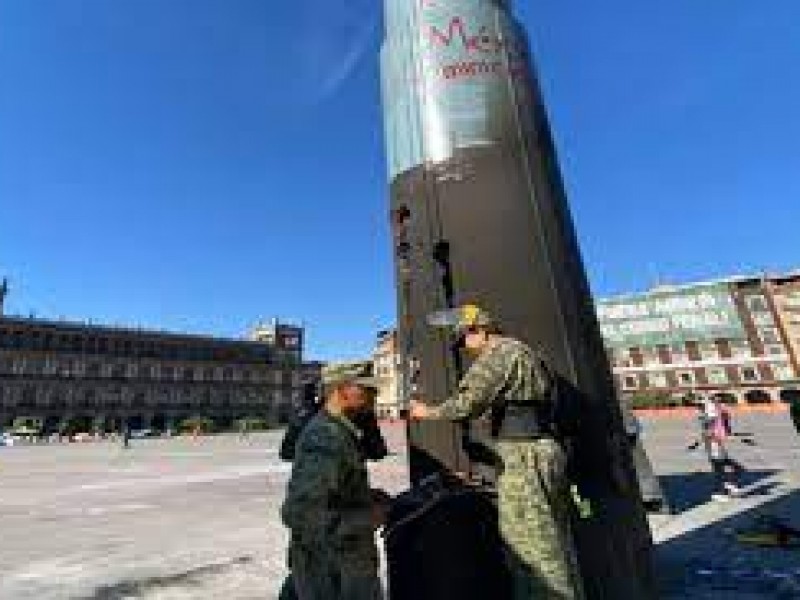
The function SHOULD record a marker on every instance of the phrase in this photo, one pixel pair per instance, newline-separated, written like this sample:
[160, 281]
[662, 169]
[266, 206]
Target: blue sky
[200, 164]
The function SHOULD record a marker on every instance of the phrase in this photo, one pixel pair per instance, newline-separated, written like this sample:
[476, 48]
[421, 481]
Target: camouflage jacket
[328, 499]
[507, 371]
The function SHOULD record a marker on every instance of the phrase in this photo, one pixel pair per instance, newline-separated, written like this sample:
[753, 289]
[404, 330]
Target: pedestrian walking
[513, 385]
[330, 510]
[714, 420]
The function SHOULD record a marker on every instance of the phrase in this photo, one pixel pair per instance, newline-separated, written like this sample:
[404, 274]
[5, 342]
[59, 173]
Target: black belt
[524, 438]
[521, 422]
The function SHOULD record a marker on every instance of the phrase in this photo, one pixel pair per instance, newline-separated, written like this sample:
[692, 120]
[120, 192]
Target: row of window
[69, 367]
[708, 351]
[31, 395]
[714, 376]
[764, 320]
[25, 339]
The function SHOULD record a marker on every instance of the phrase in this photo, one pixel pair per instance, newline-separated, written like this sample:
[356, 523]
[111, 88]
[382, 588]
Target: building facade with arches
[86, 377]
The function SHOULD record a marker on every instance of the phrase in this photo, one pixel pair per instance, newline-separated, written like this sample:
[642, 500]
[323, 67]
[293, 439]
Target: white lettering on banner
[683, 322]
[701, 320]
[685, 303]
[702, 302]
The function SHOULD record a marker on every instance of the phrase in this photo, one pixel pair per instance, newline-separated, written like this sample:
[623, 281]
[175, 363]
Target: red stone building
[737, 338]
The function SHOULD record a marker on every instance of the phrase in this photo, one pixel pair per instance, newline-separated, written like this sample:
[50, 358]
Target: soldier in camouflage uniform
[509, 382]
[330, 509]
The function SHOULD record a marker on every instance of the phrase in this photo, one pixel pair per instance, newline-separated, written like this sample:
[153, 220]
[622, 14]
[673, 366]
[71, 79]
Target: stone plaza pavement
[165, 519]
[192, 519]
[698, 555]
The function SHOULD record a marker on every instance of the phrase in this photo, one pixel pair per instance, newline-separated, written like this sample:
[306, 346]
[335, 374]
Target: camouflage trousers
[322, 574]
[534, 511]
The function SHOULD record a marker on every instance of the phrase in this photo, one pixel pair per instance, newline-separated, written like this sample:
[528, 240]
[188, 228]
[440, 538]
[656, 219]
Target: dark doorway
[82, 424]
[135, 422]
[726, 398]
[158, 423]
[757, 397]
[223, 422]
[50, 424]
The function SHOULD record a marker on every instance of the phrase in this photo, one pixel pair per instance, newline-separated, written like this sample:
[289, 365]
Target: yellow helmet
[461, 318]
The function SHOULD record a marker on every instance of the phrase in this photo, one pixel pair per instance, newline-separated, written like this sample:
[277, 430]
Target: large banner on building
[699, 313]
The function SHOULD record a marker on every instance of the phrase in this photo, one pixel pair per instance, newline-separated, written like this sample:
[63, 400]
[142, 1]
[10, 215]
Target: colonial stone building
[386, 364]
[97, 377]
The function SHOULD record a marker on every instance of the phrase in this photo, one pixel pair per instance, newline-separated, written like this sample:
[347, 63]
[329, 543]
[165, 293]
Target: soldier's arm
[356, 519]
[476, 390]
[356, 522]
[314, 478]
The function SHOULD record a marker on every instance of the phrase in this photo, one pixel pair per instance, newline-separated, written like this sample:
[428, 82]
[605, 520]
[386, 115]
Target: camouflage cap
[461, 318]
[359, 372]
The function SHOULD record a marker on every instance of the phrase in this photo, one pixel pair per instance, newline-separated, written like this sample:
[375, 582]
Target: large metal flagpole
[479, 214]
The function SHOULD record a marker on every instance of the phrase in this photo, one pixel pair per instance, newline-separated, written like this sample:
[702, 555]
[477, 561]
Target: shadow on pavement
[685, 491]
[191, 578]
[709, 562]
